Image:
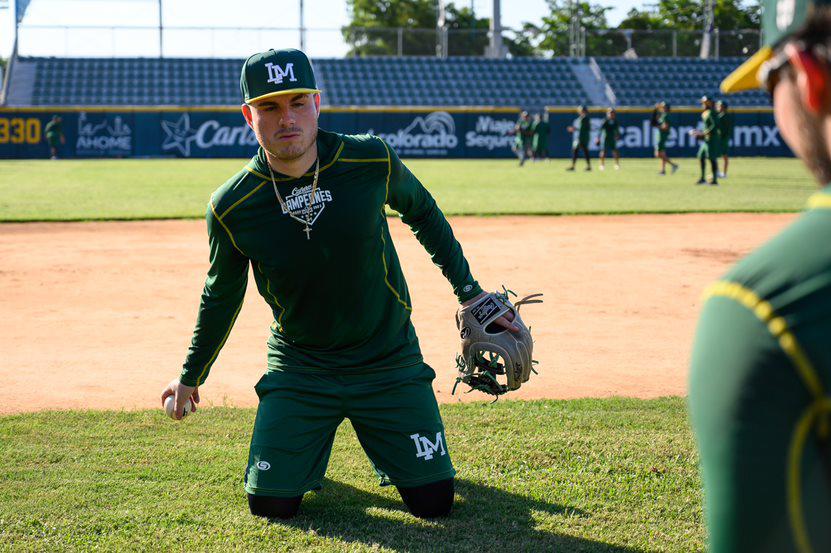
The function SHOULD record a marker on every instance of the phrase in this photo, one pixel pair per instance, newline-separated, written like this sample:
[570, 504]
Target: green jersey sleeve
[221, 302]
[710, 127]
[420, 212]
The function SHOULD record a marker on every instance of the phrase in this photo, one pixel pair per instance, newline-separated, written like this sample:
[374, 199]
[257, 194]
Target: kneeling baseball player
[307, 214]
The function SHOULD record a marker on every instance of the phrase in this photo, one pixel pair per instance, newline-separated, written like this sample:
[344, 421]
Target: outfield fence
[433, 132]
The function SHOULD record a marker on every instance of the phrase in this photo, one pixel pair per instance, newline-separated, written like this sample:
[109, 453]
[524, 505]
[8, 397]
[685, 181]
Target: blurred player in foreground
[608, 138]
[761, 365]
[581, 128]
[663, 124]
[725, 133]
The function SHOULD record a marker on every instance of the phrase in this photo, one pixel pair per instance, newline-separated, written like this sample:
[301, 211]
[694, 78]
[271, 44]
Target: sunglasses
[770, 72]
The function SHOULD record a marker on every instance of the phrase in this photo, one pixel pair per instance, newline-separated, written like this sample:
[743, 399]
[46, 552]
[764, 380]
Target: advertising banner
[439, 133]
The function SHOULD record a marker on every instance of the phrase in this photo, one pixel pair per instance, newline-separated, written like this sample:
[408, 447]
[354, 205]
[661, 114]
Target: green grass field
[605, 475]
[610, 475]
[68, 190]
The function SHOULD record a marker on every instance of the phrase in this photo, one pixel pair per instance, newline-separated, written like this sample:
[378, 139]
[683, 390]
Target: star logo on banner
[179, 135]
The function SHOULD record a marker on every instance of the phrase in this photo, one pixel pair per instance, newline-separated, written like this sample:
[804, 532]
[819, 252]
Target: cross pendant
[308, 231]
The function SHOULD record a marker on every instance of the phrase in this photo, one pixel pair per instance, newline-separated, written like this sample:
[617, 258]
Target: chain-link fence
[145, 41]
[635, 43]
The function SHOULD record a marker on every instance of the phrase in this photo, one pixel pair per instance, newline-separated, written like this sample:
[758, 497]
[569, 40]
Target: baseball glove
[489, 350]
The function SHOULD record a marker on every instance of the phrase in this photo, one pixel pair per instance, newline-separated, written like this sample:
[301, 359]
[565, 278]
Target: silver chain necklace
[308, 211]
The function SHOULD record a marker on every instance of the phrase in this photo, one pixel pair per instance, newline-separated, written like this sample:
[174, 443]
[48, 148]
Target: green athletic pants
[394, 414]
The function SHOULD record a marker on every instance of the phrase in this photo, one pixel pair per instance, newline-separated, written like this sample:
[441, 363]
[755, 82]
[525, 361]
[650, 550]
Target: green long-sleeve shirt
[583, 127]
[339, 299]
[710, 126]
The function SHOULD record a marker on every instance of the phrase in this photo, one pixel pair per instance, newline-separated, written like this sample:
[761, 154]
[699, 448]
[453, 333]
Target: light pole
[302, 29]
[709, 23]
[496, 47]
[161, 32]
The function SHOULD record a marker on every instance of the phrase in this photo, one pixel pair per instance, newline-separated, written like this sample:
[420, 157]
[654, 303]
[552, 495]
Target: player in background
[523, 134]
[580, 128]
[54, 135]
[608, 138]
[539, 143]
[725, 133]
[710, 141]
[760, 383]
[662, 125]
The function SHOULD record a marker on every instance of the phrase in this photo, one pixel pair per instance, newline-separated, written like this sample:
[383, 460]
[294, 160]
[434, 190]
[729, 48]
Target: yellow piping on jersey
[819, 201]
[383, 240]
[389, 173]
[219, 219]
[794, 485]
[372, 160]
[236, 203]
[821, 404]
[279, 320]
[776, 325]
[386, 273]
[309, 174]
[221, 343]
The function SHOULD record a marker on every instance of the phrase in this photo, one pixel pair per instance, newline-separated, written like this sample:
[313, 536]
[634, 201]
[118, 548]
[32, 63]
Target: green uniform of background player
[663, 124]
[539, 144]
[709, 148]
[725, 133]
[581, 128]
[607, 140]
[307, 214]
[54, 135]
[761, 369]
[523, 133]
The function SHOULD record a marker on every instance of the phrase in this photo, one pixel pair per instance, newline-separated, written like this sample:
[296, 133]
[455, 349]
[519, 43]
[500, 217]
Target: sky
[323, 18]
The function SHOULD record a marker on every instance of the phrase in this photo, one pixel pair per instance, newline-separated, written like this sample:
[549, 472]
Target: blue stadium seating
[526, 82]
[679, 81]
[384, 81]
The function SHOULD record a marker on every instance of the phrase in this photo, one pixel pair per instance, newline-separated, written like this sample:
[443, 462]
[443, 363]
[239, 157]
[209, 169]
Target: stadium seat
[528, 82]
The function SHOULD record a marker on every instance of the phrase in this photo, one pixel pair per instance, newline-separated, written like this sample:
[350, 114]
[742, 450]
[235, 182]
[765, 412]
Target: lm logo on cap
[276, 73]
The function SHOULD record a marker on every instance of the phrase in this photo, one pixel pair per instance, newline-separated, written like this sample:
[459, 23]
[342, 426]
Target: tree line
[371, 29]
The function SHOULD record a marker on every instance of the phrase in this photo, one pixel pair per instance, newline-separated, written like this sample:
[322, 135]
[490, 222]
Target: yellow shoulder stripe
[817, 412]
[253, 172]
[236, 203]
[819, 201]
[776, 325]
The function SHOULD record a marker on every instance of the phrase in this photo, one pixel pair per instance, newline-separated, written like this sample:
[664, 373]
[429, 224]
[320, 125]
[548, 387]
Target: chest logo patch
[298, 203]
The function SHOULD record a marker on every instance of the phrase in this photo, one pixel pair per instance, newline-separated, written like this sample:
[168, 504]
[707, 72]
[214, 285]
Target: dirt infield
[99, 315]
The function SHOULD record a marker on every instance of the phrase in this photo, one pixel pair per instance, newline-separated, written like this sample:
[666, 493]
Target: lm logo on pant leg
[425, 448]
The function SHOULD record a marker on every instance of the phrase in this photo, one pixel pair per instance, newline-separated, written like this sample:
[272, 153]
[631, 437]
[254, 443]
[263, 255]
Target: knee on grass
[430, 500]
[282, 508]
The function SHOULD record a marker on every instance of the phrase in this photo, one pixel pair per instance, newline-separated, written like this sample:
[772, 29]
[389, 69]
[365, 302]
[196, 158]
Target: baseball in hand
[170, 403]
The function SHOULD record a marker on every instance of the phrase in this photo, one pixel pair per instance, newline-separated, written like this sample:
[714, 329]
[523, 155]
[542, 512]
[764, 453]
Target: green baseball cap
[276, 72]
[780, 19]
